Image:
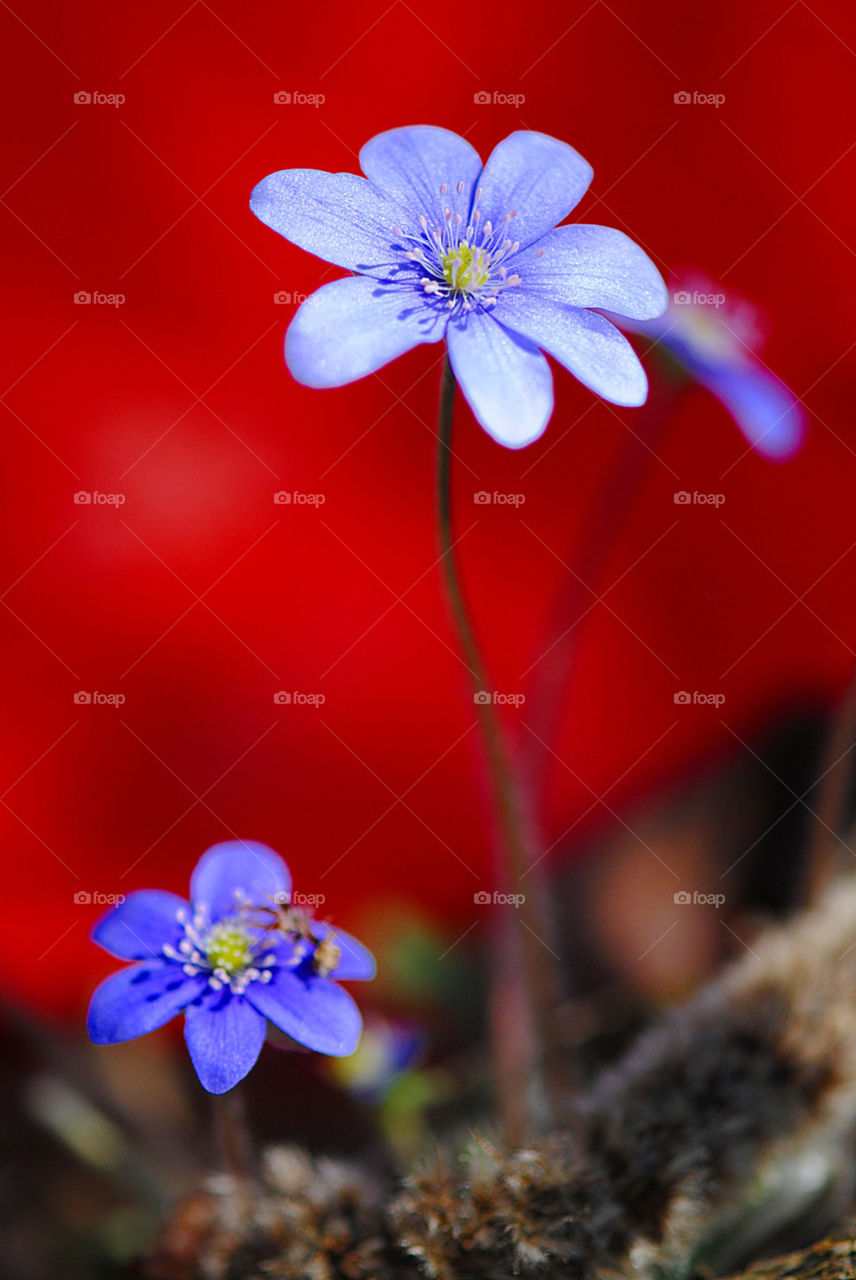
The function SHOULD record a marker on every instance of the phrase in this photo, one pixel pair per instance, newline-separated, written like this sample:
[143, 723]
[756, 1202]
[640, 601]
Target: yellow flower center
[228, 947]
[465, 268]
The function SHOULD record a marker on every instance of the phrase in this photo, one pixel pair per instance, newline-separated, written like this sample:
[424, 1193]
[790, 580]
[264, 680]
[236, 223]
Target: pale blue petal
[311, 1009]
[356, 963]
[224, 1036]
[352, 327]
[591, 266]
[505, 379]
[767, 413]
[337, 216]
[412, 164]
[540, 177]
[584, 342]
[138, 1000]
[142, 925]
[242, 867]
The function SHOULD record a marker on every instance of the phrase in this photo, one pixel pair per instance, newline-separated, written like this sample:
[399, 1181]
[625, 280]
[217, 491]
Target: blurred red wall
[198, 598]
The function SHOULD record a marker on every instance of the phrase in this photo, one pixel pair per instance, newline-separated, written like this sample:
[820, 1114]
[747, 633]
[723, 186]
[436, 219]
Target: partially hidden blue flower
[445, 247]
[238, 955]
[385, 1053]
[715, 339]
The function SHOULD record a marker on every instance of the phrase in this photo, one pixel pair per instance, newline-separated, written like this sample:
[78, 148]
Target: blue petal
[352, 327]
[141, 926]
[224, 1036]
[312, 1010]
[590, 266]
[505, 379]
[356, 963]
[138, 1000]
[764, 409]
[413, 163]
[242, 867]
[536, 175]
[584, 342]
[337, 216]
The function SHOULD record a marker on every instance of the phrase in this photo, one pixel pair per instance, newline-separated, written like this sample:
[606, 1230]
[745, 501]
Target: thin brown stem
[826, 849]
[233, 1136]
[526, 975]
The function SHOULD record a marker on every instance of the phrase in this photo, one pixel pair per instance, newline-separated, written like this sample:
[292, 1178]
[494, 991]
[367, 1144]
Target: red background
[199, 598]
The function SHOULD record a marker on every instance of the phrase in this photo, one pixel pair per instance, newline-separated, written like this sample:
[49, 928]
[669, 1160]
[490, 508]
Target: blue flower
[442, 246]
[386, 1051]
[238, 955]
[716, 341]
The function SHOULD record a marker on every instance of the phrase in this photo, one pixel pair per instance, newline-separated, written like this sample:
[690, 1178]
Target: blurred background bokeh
[193, 598]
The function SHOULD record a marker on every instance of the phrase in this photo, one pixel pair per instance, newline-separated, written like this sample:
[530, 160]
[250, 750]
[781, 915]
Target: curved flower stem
[830, 838]
[233, 1136]
[526, 978]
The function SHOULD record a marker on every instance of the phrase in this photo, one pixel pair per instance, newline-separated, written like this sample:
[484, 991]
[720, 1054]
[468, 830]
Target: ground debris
[831, 1259]
[305, 1219]
[759, 1067]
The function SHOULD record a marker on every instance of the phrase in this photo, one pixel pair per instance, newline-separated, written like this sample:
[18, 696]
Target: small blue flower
[237, 955]
[716, 340]
[442, 246]
[386, 1051]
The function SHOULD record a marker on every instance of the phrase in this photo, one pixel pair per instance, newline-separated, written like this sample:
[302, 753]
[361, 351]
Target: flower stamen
[461, 259]
[228, 952]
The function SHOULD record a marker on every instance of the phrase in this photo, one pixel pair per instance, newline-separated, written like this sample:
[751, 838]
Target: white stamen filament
[462, 260]
[227, 952]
